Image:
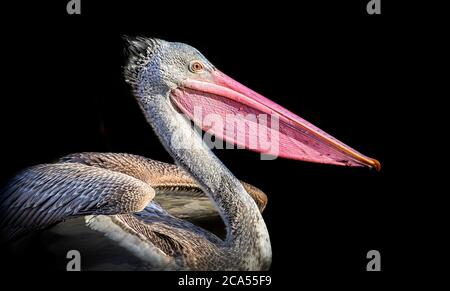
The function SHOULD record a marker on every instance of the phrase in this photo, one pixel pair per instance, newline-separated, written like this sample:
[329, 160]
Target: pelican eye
[196, 67]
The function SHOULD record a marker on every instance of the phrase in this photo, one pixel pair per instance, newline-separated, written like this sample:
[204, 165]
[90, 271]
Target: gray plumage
[118, 193]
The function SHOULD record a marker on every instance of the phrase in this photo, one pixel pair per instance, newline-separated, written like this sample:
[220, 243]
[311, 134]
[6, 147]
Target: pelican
[147, 207]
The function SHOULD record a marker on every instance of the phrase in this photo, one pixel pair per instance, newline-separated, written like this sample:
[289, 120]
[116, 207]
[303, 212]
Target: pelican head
[156, 66]
[161, 71]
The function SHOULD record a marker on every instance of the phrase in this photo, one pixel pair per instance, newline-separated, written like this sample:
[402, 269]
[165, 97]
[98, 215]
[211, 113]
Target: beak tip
[376, 164]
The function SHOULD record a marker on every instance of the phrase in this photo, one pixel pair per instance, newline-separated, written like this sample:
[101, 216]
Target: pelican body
[147, 207]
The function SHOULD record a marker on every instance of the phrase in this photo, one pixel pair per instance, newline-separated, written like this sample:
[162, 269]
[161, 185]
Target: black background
[349, 73]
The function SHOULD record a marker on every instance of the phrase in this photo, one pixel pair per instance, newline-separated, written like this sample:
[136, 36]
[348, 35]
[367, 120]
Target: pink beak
[285, 134]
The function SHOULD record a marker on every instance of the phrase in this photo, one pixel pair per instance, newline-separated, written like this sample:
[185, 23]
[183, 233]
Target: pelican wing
[49, 193]
[104, 183]
[176, 191]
